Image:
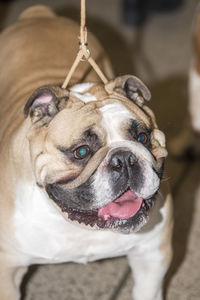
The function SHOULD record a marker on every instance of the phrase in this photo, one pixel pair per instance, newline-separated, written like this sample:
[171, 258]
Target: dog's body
[57, 174]
[187, 142]
[194, 86]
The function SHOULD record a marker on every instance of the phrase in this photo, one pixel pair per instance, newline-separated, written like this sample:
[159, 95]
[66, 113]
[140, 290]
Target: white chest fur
[44, 236]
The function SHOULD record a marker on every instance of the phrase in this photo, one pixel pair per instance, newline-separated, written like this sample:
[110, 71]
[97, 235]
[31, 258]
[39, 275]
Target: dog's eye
[142, 138]
[82, 152]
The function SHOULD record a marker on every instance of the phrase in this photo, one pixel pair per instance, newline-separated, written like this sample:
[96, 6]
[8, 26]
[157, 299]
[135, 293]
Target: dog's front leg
[149, 267]
[10, 278]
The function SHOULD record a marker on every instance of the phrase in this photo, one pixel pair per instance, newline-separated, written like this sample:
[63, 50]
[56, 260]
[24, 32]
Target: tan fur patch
[99, 91]
[166, 246]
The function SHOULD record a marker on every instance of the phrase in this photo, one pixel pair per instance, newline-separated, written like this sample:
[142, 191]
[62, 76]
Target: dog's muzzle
[120, 208]
[124, 174]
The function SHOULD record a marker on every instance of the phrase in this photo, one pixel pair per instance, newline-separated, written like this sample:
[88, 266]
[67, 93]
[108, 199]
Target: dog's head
[97, 152]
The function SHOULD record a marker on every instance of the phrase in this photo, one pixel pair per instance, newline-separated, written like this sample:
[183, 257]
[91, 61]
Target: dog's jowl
[80, 168]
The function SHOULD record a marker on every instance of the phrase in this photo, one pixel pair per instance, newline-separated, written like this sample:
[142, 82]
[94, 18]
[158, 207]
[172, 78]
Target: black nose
[122, 160]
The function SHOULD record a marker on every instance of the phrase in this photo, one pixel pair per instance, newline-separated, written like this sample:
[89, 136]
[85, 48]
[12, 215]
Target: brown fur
[26, 63]
[196, 41]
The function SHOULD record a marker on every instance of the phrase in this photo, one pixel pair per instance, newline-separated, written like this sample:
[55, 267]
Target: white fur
[113, 118]
[44, 236]
[194, 98]
[78, 91]
[146, 262]
[86, 97]
[81, 87]
[148, 272]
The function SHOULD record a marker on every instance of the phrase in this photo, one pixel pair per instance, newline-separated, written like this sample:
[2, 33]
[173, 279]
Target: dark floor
[160, 53]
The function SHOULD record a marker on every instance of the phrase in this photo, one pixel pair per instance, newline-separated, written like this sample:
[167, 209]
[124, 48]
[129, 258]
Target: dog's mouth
[124, 207]
[127, 213]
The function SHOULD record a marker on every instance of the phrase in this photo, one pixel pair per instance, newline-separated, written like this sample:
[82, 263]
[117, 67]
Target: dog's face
[97, 152]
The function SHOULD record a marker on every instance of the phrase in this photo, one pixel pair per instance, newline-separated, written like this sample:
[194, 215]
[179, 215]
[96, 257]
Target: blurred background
[151, 39]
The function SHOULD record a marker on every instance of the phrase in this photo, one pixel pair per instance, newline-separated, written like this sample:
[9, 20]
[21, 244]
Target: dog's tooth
[92, 224]
[78, 218]
[101, 222]
[87, 222]
[71, 217]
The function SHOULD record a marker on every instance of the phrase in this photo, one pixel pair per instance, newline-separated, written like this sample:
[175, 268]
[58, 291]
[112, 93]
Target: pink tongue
[124, 207]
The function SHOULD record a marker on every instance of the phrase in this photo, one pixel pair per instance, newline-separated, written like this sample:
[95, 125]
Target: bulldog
[187, 143]
[81, 168]
[193, 90]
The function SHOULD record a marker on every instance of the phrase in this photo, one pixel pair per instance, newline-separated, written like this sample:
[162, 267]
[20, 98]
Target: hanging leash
[83, 53]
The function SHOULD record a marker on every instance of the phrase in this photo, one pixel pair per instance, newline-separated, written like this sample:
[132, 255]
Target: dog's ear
[131, 87]
[45, 102]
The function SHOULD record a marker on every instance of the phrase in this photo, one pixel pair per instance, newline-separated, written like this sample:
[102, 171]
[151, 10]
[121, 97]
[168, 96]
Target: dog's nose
[122, 160]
